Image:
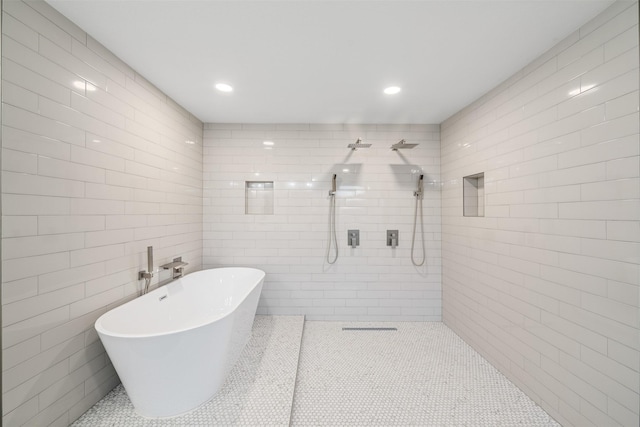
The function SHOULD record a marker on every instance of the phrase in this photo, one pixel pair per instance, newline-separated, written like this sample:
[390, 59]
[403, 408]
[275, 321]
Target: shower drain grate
[369, 329]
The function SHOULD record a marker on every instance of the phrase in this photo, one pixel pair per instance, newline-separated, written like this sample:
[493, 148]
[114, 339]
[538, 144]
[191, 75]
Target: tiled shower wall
[545, 285]
[374, 193]
[97, 165]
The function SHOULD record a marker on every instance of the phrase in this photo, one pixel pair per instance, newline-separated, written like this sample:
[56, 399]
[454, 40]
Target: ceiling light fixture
[268, 143]
[392, 90]
[223, 87]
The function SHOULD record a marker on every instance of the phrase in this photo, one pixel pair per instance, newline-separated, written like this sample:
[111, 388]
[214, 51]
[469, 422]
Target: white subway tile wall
[96, 167]
[374, 194]
[546, 285]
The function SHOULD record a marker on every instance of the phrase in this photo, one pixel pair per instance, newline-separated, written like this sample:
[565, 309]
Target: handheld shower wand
[150, 259]
[333, 238]
[420, 190]
[333, 186]
[418, 194]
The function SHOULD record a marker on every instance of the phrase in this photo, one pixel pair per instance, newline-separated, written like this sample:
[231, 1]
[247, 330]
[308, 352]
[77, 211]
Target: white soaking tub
[173, 347]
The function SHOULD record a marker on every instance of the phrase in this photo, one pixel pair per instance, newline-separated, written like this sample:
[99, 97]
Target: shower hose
[413, 240]
[333, 239]
[147, 282]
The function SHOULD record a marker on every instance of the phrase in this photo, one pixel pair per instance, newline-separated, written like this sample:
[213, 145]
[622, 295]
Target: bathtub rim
[102, 331]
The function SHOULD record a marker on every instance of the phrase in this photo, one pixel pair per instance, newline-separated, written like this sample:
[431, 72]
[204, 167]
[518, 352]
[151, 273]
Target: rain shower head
[402, 145]
[358, 144]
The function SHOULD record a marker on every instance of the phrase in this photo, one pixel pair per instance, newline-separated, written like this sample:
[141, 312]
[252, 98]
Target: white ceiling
[310, 61]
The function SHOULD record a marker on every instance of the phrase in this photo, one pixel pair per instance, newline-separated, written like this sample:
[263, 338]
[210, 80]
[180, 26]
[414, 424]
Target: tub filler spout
[177, 267]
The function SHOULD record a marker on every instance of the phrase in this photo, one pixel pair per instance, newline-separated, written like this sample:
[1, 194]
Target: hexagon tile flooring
[419, 374]
[258, 391]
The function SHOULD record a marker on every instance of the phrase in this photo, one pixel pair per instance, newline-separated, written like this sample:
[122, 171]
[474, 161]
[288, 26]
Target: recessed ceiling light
[392, 90]
[223, 87]
[268, 143]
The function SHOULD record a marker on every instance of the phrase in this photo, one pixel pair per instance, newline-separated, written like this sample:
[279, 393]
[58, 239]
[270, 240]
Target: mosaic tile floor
[259, 390]
[422, 374]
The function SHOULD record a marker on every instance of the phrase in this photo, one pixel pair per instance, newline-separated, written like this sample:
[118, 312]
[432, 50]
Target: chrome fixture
[420, 190]
[392, 238]
[177, 267]
[418, 194]
[358, 144]
[333, 238]
[402, 145]
[147, 275]
[353, 238]
[333, 185]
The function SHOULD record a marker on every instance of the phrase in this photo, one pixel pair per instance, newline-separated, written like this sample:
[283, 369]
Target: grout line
[295, 380]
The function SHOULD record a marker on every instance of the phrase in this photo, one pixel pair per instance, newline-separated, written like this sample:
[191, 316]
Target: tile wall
[375, 193]
[546, 284]
[97, 164]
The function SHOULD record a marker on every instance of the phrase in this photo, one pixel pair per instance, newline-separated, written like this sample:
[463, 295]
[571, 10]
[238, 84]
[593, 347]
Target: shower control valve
[392, 238]
[353, 238]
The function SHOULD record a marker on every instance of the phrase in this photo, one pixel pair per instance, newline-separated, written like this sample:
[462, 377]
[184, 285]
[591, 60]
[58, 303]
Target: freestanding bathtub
[174, 346]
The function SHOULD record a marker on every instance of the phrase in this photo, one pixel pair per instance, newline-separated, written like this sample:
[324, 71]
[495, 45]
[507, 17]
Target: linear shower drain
[369, 329]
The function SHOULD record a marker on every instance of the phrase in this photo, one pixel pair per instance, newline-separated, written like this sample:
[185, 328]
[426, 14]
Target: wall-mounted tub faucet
[177, 267]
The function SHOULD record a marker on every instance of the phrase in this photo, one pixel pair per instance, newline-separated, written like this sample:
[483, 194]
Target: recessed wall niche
[473, 195]
[258, 198]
